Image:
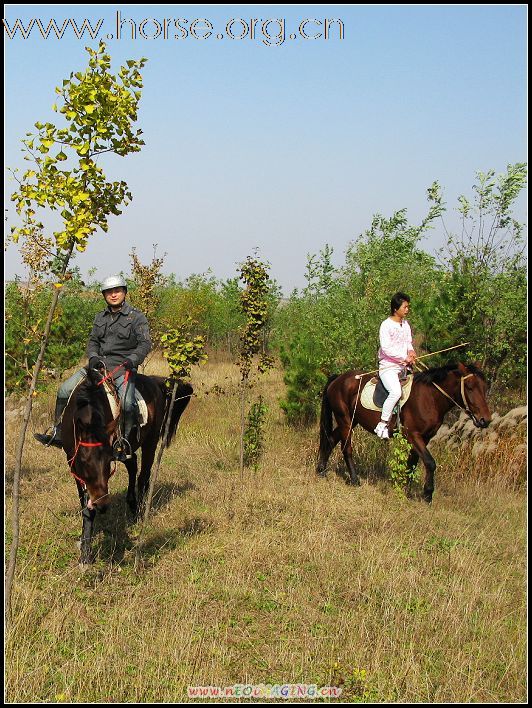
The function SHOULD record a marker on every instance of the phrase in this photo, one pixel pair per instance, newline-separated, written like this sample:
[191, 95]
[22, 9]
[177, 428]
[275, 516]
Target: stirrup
[122, 450]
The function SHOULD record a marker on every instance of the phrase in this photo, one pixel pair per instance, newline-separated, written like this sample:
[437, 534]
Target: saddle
[374, 393]
[112, 397]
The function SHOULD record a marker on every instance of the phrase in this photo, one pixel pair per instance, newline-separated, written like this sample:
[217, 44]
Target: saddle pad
[366, 397]
[115, 408]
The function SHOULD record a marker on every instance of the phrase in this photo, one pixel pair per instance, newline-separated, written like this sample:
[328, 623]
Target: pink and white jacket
[396, 341]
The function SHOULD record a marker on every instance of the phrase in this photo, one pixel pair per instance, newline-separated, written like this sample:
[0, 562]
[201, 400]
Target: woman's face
[403, 310]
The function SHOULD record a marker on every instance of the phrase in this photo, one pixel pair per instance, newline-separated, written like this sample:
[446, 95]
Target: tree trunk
[10, 573]
[242, 425]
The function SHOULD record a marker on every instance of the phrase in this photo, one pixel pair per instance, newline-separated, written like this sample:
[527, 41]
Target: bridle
[72, 461]
[465, 407]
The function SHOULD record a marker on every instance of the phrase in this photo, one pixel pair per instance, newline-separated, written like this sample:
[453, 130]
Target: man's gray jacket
[117, 335]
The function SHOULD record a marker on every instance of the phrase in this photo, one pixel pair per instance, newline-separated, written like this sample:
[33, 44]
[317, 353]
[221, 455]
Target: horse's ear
[462, 369]
[111, 427]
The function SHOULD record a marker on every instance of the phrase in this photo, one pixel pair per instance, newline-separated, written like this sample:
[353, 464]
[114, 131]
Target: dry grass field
[274, 578]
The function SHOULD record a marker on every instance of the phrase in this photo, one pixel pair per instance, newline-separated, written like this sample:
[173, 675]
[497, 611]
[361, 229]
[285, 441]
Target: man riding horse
[119, 342]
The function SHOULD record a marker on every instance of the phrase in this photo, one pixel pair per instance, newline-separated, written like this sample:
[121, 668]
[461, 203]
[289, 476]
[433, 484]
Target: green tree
[144, 289]
[99, 111]
[182, 350]
[255, 306]
[333, 324]
[484, 286]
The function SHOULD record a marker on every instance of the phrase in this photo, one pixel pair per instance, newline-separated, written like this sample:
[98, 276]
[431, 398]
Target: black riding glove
[128, 364]
[95, 363]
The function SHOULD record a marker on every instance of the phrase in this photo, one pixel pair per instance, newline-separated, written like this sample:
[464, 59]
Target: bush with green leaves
[254, 434]
[485, 277]
[182, 349]
[212, 303]
[397, 466]
[76, 307]
[253, 359]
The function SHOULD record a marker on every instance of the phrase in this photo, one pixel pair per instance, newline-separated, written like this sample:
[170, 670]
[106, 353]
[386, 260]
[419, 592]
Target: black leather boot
[54, 438]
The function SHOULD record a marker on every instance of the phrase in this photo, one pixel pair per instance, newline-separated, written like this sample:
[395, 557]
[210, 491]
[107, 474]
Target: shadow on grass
[119, 526]
[34, 473]
[371, 470]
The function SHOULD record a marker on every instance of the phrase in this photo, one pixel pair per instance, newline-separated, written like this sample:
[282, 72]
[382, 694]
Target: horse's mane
[88, 393]
[440, 373]
[90, 408]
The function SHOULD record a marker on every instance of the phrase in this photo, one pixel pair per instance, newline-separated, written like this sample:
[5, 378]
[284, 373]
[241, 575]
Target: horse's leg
[326, 450]
[420, 448]
[87, 516]
[82, 493]
[131, 498]
[411, 464]
[148, 455]
[347, 450]
[87, 519]
[413, 459]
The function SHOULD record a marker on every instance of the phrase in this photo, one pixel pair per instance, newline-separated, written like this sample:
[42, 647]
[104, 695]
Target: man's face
[114, 297]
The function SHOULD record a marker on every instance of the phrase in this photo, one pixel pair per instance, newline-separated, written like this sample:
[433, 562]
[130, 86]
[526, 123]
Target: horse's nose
[100, 502]
[484, 423]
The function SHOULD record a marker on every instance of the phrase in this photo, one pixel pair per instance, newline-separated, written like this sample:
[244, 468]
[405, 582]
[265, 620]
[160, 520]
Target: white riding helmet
[113, 281]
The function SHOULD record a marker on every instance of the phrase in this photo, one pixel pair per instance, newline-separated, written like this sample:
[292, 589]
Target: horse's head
[93, 453]
[474, 390]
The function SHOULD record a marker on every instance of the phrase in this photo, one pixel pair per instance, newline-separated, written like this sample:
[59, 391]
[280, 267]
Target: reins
[111, 373]
[353, 416]
[465, 407]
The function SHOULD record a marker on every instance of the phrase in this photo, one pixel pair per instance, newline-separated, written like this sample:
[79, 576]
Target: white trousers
[389, 374]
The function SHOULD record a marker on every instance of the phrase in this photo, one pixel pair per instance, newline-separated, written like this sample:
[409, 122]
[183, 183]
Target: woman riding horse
[395, 354]
[433, 394]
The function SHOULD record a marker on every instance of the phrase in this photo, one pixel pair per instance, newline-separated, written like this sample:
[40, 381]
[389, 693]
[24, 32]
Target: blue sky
[284, 147]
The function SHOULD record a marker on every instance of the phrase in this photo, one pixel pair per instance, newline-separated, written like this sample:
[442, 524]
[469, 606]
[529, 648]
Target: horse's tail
[182, 398]
[326, 419]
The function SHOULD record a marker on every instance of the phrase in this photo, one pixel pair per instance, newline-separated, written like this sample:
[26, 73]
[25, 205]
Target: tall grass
[278, 578]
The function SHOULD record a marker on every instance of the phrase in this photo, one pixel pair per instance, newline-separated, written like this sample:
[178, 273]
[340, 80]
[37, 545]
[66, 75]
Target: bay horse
[433, 394]
[88, 431]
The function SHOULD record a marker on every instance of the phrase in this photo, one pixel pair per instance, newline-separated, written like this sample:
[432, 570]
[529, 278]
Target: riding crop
[423, 356]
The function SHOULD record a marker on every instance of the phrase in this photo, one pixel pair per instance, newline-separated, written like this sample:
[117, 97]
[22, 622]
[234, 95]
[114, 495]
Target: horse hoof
[427, 498]
[354, 482]
[84, 565]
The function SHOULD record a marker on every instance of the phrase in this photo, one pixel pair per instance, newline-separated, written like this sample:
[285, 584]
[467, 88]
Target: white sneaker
[382, 430]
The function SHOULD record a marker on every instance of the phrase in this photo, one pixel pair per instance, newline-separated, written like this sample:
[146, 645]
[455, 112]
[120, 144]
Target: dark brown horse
[421, 416]
[88, 432]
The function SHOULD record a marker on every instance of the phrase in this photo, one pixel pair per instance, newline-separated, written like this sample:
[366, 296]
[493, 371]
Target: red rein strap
[111, 374]
[81, 443]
